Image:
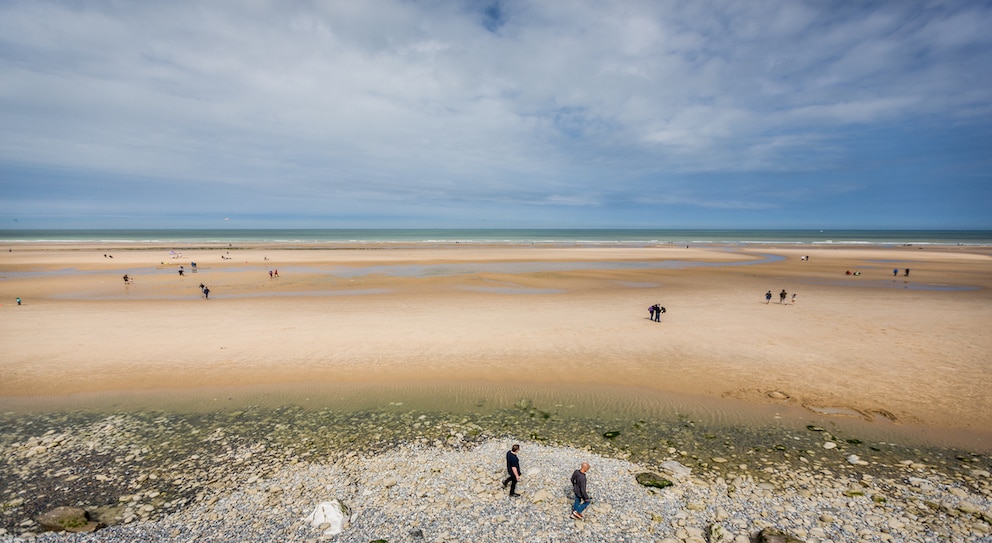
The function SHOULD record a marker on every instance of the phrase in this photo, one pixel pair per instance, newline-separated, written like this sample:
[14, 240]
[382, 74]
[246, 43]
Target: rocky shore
[406, 476]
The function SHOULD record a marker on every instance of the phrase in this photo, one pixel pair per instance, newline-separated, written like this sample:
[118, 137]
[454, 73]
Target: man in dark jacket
[579, 489]
[513, 469]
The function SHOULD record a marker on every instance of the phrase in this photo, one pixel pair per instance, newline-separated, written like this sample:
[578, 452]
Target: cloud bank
[517, 113]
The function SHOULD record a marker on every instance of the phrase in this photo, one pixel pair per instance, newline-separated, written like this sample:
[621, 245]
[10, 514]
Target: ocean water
[508, 236]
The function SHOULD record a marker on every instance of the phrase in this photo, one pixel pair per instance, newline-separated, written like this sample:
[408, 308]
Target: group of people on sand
[656, 310]
[781, 297]
[203, 288]
[578, 480]
[895, 272]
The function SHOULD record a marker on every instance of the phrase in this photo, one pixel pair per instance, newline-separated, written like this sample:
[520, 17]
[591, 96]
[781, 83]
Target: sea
[499, 236]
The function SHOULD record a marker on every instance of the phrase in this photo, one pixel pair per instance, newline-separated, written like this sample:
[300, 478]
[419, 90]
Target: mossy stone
[652, 480]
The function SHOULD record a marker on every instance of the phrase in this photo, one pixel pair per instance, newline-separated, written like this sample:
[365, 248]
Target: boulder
[674, 468]
[718, 534]
[652, 480]
[540, 496]
[68, 519]
[774, 535]
[333, 514]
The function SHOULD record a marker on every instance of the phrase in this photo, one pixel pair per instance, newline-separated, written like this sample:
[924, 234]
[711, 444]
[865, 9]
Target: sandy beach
[912, 349]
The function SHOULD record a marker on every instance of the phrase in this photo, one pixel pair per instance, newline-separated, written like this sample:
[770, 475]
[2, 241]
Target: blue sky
[463, 114]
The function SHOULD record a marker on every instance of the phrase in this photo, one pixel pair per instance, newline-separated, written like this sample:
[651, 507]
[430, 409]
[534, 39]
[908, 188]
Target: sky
[495, 114]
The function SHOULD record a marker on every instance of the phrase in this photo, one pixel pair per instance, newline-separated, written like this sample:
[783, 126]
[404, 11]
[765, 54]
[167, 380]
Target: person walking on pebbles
[513, 469]
[582, 498]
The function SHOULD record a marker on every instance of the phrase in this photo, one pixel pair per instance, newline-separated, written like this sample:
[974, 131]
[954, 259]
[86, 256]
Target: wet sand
[914, 350]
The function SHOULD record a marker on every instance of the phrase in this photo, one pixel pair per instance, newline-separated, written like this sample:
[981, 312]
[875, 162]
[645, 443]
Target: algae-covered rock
[652, 480]
[69, 519]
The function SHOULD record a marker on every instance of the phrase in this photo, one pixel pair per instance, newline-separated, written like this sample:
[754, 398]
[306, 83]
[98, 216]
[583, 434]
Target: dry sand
[913, 349]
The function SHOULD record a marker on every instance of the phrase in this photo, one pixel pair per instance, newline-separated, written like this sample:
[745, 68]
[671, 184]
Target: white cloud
[387, 98]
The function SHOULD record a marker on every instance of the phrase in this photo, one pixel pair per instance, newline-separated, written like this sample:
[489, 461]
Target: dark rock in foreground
[653, 480]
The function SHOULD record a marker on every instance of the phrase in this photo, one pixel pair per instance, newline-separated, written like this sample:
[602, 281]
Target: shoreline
[622, 402]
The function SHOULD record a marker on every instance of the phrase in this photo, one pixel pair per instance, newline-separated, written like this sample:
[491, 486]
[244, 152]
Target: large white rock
[676, 469]
[330, 513]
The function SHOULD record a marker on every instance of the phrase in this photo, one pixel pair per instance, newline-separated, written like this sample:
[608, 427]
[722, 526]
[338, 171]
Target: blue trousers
[579, 506]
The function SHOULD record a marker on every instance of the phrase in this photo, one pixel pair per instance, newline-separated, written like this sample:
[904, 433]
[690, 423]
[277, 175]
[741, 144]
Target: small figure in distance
[781, 296]
[907, 273]
[652, 310]
[768, 297]
[658, 310]
[895, 272]
[206, 293]
[793, 297]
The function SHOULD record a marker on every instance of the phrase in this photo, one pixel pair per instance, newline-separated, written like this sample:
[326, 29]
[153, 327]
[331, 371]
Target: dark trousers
[512, 481]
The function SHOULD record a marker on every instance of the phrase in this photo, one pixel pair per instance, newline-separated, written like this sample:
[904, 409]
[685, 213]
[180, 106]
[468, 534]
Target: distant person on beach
[513, 469]
[270, 274]
[907, 273]
[206, 293]
[768, 297]
[793, 297]
[781, 296]
[277, 273]
[181, 271]
[579, 489]
[18, 301]
[127, 280]
[652, 311]
[658, 310]
[895, 272]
